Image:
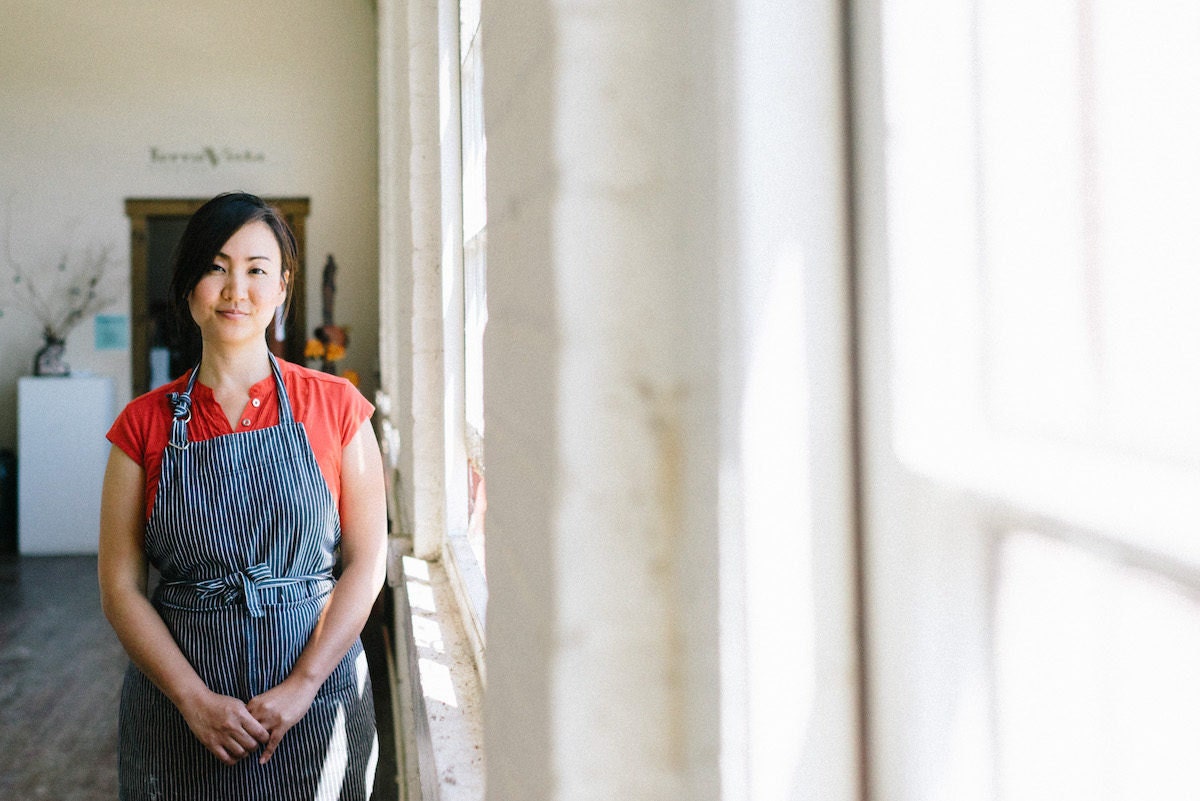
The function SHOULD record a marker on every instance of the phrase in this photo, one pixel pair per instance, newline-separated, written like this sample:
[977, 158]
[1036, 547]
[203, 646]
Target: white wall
[88, 92]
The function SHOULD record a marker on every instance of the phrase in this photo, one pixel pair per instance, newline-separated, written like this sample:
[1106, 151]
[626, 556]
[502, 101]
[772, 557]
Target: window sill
[437, 687]
[470, 595]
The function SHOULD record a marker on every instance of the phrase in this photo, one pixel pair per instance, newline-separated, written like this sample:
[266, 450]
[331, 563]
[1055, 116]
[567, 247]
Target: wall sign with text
[210, 157]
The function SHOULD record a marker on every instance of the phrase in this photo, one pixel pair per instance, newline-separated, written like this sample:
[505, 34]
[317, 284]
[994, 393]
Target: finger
[258, 731]
[255, 727]
[246, 741]
[240, 750]
[270, 747]
[223, 755]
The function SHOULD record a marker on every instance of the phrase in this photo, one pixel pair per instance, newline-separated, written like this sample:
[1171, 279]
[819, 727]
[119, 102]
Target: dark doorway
[167, 358]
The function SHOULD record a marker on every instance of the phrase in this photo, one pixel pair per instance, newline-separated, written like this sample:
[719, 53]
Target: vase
[49, 358]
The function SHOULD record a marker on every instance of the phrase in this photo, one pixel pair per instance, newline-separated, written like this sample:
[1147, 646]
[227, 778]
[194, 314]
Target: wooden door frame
[139, 211]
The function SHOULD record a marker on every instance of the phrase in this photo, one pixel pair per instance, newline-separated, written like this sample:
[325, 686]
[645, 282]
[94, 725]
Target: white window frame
[460, 206]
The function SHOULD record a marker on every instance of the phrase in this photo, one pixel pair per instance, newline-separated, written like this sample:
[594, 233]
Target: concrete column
[601, 398]
[670, 403]
[395, 260]
[520, 381]
[635, 690]
[425, 198]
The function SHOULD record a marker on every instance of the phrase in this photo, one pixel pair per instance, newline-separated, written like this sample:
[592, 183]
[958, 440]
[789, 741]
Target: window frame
[466, 574]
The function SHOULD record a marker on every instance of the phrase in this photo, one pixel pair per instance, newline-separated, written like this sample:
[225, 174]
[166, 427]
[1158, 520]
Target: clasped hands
[232, 730]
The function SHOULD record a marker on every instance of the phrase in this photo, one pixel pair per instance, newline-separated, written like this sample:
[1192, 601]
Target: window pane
[1088, 167]
[1041, 167]
[1096, 665]
[474, 160]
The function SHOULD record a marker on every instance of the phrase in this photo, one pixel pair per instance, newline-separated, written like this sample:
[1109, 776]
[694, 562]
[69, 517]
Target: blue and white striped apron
[243, 532]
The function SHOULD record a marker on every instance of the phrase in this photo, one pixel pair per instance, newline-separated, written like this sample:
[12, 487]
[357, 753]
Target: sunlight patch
[437, 682]
[369, 777]
[360, 668]
[337, 756]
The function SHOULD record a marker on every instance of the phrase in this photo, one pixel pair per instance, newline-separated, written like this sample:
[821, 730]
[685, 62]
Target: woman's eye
[216, 268]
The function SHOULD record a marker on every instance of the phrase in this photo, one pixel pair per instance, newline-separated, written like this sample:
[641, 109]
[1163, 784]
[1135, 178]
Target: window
[1034, 446]
[464, 232]
[474, 159]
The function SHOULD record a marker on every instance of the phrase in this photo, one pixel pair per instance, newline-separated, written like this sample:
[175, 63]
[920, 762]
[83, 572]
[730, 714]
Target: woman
[238, 482]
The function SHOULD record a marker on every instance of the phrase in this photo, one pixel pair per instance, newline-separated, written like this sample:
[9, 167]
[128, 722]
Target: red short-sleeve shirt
[331, 409]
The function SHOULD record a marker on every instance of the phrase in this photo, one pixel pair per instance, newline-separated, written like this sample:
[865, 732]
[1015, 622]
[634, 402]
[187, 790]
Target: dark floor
[60, 678]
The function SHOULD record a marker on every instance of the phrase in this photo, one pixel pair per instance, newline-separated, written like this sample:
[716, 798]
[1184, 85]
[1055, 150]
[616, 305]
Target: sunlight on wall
[776, 518]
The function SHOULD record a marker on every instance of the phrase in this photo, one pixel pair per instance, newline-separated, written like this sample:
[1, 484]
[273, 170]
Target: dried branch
[60, 298]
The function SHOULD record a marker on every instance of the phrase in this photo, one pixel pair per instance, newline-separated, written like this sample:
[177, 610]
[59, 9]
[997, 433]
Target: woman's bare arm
[222, 723]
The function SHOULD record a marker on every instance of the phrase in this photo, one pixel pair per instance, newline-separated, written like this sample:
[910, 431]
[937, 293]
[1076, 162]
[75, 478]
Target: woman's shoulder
[323, 396]
[155, 401]
[313, 380]
[142, 425]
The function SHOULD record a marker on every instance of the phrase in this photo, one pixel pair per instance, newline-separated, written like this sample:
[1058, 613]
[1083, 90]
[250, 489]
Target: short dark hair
[209, 228]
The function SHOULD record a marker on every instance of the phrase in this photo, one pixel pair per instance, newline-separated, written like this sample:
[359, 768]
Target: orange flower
[333, 352]
[313, 349]
[351, 376]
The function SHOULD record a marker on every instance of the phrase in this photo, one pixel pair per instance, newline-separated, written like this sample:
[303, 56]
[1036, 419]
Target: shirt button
[256, 403]
[246, 422]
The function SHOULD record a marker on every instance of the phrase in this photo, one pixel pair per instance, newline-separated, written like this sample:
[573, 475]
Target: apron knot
[243, 585]
[181, 405]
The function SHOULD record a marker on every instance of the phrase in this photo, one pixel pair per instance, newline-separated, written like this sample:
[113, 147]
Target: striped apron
[243, 532]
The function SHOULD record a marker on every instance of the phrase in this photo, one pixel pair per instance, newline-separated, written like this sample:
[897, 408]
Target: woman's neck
[234, 371]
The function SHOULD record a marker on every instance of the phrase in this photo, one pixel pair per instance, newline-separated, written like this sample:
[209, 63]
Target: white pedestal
[61, 455]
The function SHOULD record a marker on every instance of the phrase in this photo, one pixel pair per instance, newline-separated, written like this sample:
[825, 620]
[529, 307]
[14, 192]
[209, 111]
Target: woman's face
[235, 301]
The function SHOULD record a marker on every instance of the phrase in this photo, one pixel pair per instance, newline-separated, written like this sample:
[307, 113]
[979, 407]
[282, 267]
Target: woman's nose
[233, 285]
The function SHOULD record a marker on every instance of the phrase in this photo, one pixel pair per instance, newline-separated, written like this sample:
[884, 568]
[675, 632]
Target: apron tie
[245, 585]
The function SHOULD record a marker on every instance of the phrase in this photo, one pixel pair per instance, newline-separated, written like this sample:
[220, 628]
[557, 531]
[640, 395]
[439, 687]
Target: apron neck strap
[181, 404]
[285, 403]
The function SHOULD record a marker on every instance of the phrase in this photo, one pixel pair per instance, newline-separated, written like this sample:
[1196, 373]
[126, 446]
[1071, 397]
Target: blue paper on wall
[112, 332]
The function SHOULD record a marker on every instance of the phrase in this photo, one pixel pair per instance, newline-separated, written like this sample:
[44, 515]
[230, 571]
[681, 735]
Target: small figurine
[330, 341]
